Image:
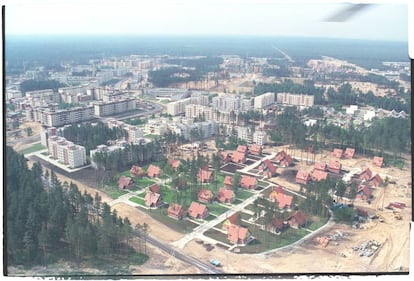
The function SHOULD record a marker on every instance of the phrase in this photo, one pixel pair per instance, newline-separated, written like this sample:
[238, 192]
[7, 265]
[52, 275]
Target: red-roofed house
[225, 195]
[280, 155]
[175, 211]
[321, 166]
[233, 219]
[364, 192]
[349, 153]
[242, 149]
[318, 175]
[284, 201]
[152, 199]
[198, 211]
[286, 162]
[225, 156]
[269, 168]
[238, 157]
[334, 167]
[137, 171]
[298, 219]
[204, 175]
[255, 149]
[205, 196]
[375, 180]
[378, 161]
[153, 171]
[302, 177]
[154, 188]
[238, 234]
[125, 182]
[174, 163]
[365, 175]
[275, 193]
[228, 182]
[248, 182]
[276, 225]
[337, 153]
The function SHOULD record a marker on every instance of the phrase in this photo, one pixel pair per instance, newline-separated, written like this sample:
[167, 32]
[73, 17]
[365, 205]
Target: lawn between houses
[33, 148]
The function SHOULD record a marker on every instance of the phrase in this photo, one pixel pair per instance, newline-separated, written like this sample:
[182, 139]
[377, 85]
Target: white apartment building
[114, 107]
[178, 107]
[209, 114]
[57, 118]
[227, 103]
[66, 152]
[297, 100]
[244, 133]
[156, 127]
[264, 100]
[260, 137]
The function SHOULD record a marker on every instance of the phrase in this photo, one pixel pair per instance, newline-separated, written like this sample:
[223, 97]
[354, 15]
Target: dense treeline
[204, 65]
[34, 85]
[48, 221]
[277, 72]
[288, 86]
[166, 76]
[90, 136]
[372, 78]
[346, 96]
[388, 134]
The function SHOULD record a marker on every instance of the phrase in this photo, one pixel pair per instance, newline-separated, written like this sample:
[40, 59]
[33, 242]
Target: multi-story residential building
[56, 118]
[178, 107]
[46, 134]
[260, 137]
[207, 113]
[264, 100]
[134, 134]
[298, 100]
[114, 107]
[66, 152]
[244, 133]
[156, 127]
[198, 130]
[228, 103]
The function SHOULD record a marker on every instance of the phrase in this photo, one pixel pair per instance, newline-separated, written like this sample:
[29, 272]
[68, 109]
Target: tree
[28, 131]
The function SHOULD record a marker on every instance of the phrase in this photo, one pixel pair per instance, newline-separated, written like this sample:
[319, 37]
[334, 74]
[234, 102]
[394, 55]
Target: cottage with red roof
[255, 149]
[233, 219]
[334, 167]
[337, 153]
[238, 234]
[321, 166]
[269, 168]
[283, 201]
[228, 182]
[318, 175]
[153, 171]
[365, 175]
[198, 211]
[349, 153]
[280, 155]
[174, 163]
[154, 188]
[242, 149]
[225, 195]
[125, 182]
[277, 225]
[302, 177]
[378, 161]
[275, 193]
[204, 175]
[137, 171]
[205, 196]
[286, 162]
[153, 199]
[375, 180]
[238, 157]
[364, 192]
[298, 219]
[175, 211]
[224, 156]
[248, 182]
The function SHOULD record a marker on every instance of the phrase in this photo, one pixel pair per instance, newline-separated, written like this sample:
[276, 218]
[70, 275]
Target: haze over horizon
[385, 22]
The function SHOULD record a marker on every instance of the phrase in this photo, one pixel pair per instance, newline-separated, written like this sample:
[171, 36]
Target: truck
[214, 262]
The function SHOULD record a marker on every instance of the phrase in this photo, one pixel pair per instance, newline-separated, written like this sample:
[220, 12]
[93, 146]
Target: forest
[49, 221]
[35, 85]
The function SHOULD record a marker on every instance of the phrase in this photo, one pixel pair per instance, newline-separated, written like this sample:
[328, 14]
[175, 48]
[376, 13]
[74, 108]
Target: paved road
[206, 268]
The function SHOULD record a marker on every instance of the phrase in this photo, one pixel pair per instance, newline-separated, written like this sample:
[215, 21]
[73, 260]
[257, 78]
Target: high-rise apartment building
[298, 100]
[264, 100]
[66, 152]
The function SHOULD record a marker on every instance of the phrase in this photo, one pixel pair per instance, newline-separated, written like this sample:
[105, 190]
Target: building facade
[66, 152]
[264, 100]
[297, 100]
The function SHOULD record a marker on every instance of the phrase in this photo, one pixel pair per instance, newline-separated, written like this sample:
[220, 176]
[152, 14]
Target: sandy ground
[36, 127]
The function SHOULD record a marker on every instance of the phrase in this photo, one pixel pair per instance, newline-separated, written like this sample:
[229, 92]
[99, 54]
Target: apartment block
[178, 107]
[260, 137]
[66, 152]
[244, 133]
[228, 103]
[264, 100]
[114, 107]
[57, 118]
[297, 100]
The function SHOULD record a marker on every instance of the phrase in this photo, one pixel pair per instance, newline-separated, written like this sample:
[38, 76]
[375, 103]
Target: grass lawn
[182, 226]
[167, 194]
[210, 217]
[243, 194]
[317, 224]
[262, 183]
[143, 182]
[33, 148]
[217, 235]
[137, 200]
[267, 241]
[115, 194]
[216, 209]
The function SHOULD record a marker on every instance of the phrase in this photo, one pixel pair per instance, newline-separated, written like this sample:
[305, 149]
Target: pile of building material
[323, 241]
[367, 248]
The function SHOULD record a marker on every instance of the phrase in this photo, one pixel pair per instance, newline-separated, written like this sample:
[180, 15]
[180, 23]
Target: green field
[137, 200]
[243, 194]
[143, 182]
[217, 235]
[216, 209]
[115, 194]
[317, 224]
[182, 226]
[33, 148]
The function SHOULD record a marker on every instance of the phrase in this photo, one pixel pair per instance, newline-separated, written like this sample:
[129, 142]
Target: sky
[385, 21]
